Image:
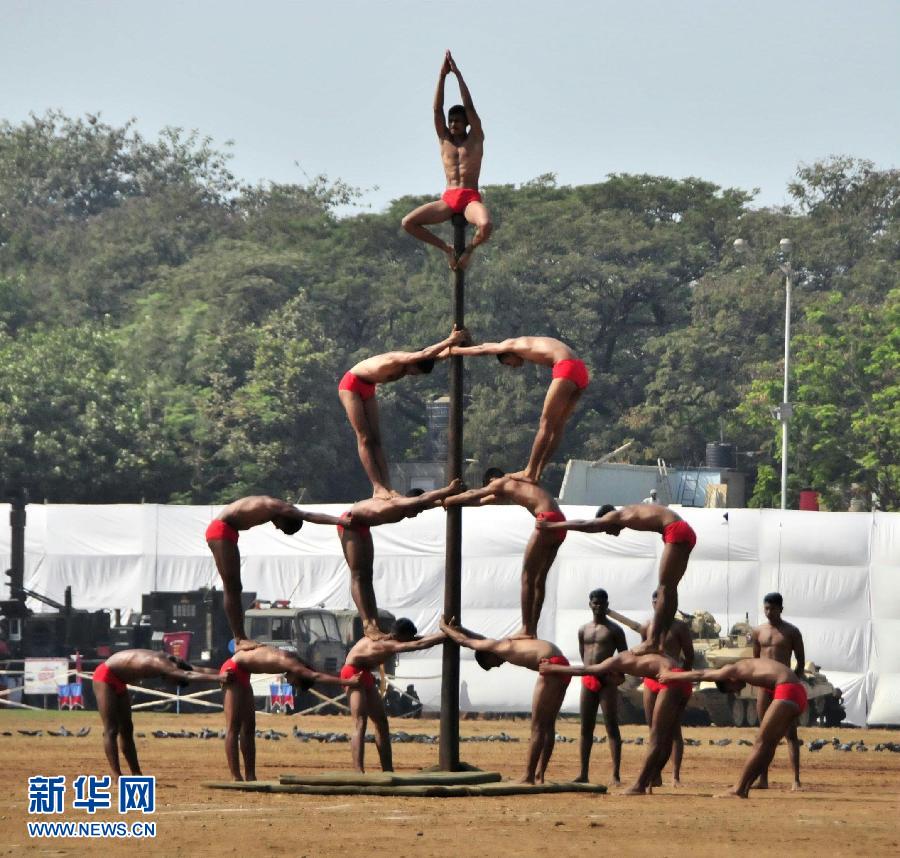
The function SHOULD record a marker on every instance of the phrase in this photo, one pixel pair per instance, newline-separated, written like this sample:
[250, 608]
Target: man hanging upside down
[222, 539]
[542, 547]
[673, 696]
[364, 700]
[356, 541]
[357, 394]
[789, 700]
[549, 690]
[679, 539]
[461, 154]
[239, 705]
[111, 680]
[570, 378]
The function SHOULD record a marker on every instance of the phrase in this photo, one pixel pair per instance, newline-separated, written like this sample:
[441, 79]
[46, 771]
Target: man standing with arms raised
[778, 640]
[461, 154]
[597, 641]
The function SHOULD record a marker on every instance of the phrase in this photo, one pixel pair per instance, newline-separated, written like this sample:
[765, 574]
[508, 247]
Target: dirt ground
[849, 804]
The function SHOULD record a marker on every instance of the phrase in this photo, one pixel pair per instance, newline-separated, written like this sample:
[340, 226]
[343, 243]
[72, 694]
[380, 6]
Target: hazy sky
[735, 93]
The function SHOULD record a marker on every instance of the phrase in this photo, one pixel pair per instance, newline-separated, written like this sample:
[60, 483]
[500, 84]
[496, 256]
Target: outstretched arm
[425, 642]
[440, 123]
[587, 525]
[503, 347]
[438, 351]
[703, 675]
[471, 115]
[466, 638]
[324, 518]
[473, 497]
[171, 671]
[625, 621]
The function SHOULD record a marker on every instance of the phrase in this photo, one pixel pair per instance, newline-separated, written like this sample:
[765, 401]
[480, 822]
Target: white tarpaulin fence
[839, 574]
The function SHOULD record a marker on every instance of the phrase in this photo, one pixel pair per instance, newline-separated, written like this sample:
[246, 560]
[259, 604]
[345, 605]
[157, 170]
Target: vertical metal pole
[17, 516]
[785, 402]
[449, 744]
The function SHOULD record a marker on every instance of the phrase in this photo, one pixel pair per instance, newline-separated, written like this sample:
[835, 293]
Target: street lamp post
[785, 410]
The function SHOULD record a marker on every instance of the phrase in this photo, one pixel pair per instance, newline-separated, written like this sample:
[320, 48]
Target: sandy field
[849, 806]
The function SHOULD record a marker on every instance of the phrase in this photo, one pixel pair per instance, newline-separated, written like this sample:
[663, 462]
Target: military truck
[312, 634]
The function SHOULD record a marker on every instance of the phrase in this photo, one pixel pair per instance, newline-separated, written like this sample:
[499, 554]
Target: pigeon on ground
[85, 730]
[720, 742]
[61, 732]
[32, 732]
[817, 745]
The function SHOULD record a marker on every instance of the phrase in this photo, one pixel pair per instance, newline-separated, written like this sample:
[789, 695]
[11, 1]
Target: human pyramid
[606, 660]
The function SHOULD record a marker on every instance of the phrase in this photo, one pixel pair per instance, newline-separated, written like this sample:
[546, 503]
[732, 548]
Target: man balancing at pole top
[111, 680]
[570, 378]
[461, 154]
[789, 700]
[549, 690]
[222, 539]
[673, 697]
[239, 705]
[357, 394]
[679, 539]
[364, 700]
[356, 542]
[542, 547]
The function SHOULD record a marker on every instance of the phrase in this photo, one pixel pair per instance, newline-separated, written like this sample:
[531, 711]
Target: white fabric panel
[839, 574]
[885, 708]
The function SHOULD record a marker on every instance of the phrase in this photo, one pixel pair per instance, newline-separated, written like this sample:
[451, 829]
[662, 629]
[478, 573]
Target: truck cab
[312, 634]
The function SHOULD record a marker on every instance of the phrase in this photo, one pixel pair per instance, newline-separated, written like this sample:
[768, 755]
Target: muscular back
[530, 495]
[462, 160]
[542, 350]
[643, 516]
[526, 652]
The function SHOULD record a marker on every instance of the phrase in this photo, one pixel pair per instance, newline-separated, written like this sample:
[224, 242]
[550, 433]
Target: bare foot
[616, 782]
[245, 644]
[648, 647]
[581, 779]
[522, 635]
[381, 493]
[676, 783]
[730, 794]
[797, 787]
[523, 476]
[452, 258]
[760, 784]
[525, 780]
[465, 257]
[657, 781]
[372, 632]
[634, 790]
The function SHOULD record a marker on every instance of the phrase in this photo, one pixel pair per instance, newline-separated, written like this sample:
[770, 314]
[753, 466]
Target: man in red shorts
[779, 640]
[673, 697]
[222, 539]
[678, 645]
[357, 394]
[240, 707]
[597, 641]
[364, 700]
[570, 378]
[789, 700]
[461, 154]
[111, 680]
[542, 547]
[549, 691]
[679, 539]
[359, 551]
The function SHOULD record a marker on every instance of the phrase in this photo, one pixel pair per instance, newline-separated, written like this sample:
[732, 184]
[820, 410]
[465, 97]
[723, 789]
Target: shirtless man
[789, 701]
[540, 552]
[679, 646]
[364, 700]
[461, 154]
[356, 541]
[597, 641]
[679, 539]
[779, 640]
[357, 394]
[570, 378]
[114, 703]
[240, 708]
[222, 539]
[673, 697]
[549, 691]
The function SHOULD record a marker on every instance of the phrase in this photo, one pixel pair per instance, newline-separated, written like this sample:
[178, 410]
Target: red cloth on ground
[241, 675]
[104, 674]
[365, 389]
[552, 515]
[366, 679]
[679, 531]
[459, 198]
[574, 370]
[592, 683]
[219, 529]
[793, 691]
[355, 527]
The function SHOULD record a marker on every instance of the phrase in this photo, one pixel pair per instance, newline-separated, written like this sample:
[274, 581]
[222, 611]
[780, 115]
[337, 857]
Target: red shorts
[104, 674]
[794, 692]
[356, 528]
[365, 389]
[348, 671]
[241, 675]
[219, 529]
[679, 531]
[686, 688]
[592, 683]
[459, 198]
[560, 659]
[573, 370]
[552, 515]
